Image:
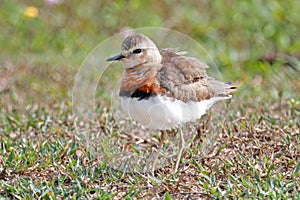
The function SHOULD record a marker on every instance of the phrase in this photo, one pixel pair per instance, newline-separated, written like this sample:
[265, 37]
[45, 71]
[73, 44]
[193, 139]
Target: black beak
[117, 57]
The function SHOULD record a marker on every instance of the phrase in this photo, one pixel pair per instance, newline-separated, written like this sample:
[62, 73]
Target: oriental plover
[163, 88]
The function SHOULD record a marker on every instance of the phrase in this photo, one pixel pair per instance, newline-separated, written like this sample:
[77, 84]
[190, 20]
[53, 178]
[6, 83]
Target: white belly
[164, 113]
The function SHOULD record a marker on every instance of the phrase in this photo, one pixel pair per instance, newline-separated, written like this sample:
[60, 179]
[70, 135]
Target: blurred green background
[47, 43]
[256, 44]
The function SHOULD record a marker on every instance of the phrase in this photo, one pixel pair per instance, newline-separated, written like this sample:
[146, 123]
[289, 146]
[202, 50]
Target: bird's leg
[161, 143]
[181, 146]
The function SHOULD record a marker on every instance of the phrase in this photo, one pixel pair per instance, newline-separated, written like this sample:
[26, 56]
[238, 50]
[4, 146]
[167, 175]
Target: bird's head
[137, 49]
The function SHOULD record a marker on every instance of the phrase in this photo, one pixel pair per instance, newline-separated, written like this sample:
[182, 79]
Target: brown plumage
[178, 76]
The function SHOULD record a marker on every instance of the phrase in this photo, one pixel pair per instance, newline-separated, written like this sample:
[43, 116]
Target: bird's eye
[137, 51]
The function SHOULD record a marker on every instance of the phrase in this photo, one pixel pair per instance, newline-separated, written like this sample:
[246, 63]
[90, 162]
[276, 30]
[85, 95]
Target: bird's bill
[117, 57]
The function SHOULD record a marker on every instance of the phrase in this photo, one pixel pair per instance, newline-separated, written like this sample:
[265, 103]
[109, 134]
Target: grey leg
[161, 143]
[181, 147]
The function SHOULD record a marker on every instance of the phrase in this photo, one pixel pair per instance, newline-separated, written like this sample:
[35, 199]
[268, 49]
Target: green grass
[249, 149]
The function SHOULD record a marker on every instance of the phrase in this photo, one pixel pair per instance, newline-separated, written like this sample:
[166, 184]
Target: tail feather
[221, 89]
[230, 89]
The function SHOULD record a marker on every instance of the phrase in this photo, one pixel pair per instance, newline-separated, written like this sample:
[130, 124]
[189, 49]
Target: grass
[249, 149]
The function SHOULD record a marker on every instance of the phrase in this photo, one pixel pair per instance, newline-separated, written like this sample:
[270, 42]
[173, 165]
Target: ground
[247, 147]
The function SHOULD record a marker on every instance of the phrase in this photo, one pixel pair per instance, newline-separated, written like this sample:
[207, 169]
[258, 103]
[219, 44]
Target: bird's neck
[138, 76]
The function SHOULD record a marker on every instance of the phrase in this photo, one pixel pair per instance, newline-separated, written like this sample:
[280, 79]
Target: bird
[163, 89]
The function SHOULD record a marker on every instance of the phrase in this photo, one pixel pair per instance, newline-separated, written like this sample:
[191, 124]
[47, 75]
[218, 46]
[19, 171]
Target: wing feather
[185, 78]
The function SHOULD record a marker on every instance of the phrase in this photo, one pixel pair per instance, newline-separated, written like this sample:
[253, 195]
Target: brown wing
[185, 78]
